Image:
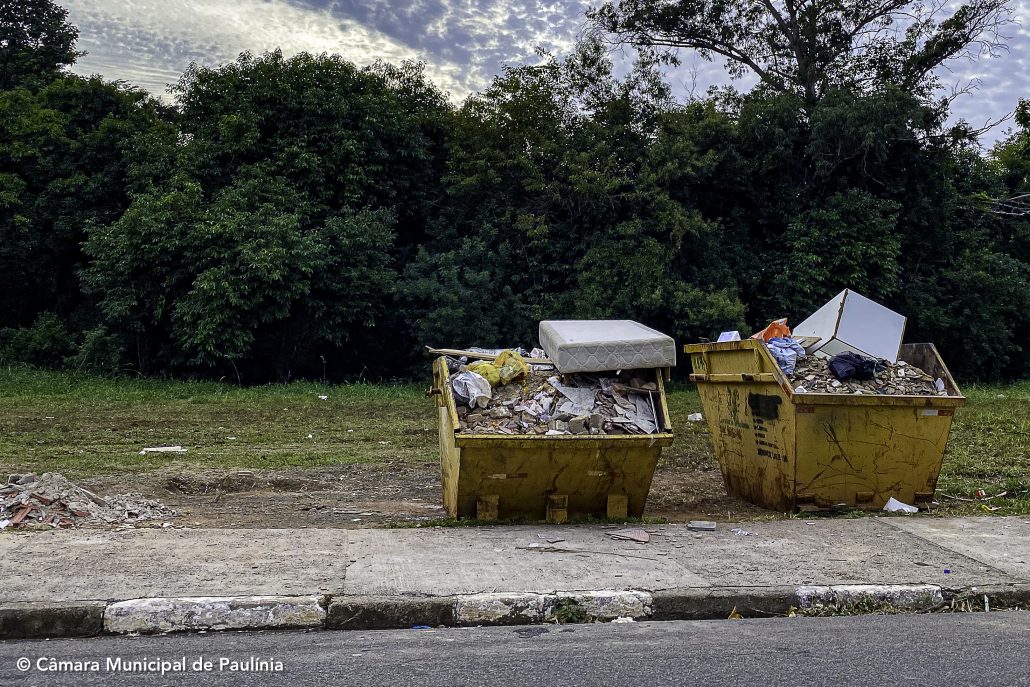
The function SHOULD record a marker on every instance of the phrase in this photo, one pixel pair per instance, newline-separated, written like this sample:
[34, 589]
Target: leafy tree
[347, 136]
[554, 210]
[264, 233]
[1008, 197]
[810, 47]
[850, 242]
[200, 283]
[36, 41]
[64, 153]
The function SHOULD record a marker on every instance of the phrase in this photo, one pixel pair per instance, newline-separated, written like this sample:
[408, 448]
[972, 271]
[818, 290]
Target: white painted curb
[151, 616]
[900, 595]
[514, 607]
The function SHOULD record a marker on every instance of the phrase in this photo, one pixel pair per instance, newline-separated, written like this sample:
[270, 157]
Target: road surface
[911, 650]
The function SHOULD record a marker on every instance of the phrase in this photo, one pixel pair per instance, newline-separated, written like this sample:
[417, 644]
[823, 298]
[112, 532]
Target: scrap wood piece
[475, 355]
[986, 498]
[626, 389]
[632, 534]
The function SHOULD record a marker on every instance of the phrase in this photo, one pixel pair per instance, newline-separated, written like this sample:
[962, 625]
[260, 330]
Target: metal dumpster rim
[806, 399]
[631, 440]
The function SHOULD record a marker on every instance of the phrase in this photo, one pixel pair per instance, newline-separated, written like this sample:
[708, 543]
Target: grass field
[84, 426]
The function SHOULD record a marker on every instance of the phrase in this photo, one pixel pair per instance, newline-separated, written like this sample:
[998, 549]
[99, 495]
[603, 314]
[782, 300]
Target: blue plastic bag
[786, 353]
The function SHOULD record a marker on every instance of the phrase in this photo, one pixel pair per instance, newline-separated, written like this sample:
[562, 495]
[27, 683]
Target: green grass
[85, 426]
[989, 449]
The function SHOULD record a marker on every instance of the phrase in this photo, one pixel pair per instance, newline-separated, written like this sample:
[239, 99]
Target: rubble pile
[812, 375]
[542, 402]
[53, 500]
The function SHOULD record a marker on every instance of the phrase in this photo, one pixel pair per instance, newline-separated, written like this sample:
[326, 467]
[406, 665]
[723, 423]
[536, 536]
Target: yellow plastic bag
[512, 366]
[488, 370]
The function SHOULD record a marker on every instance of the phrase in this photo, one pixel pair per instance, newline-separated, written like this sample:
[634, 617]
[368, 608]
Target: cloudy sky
[464, 42]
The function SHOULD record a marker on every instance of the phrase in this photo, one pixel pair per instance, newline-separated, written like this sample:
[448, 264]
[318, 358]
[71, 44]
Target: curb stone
[901, 596]
[525, 608]
[714, 603]
[39, 620]
[152, 616]
[32, 620]
[389, 612]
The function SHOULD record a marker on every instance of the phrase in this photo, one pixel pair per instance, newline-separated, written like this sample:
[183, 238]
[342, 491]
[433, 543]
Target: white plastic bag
[471, 389]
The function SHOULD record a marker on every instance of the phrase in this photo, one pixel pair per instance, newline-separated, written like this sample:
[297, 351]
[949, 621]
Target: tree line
[301, 217]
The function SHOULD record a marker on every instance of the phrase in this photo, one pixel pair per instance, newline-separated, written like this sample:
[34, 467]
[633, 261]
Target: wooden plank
[457, 353]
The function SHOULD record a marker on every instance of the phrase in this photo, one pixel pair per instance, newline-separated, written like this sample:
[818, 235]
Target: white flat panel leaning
[853, 322]
[602, 345]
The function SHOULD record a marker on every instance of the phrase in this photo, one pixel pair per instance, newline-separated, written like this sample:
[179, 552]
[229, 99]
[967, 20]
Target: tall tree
[36, 41]
[808, 47]
[265, 232]
[64, 160]
[555, 209]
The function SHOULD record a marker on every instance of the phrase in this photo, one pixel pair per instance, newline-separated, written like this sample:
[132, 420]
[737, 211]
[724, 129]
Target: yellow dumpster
[537, 477]
[786, 450]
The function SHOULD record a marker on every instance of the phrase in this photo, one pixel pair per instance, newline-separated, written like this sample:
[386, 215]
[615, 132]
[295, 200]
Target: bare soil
[364, 495]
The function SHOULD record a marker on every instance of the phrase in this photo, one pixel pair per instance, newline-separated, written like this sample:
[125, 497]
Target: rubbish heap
[51, 500]
[543, 402]
[825, 354]
[591, 377]
[812, 375]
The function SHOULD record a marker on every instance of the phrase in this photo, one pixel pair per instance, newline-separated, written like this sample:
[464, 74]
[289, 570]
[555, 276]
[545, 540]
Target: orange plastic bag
[776, 329]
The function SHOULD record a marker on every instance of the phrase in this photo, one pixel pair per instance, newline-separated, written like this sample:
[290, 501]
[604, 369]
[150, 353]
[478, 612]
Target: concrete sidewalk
[84, 582]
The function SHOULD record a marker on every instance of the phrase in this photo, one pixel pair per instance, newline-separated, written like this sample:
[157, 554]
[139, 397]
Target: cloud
[464, 43]
[151, 42]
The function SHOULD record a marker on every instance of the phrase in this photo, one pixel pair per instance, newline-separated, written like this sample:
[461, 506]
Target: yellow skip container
[785, 450]
[536, 477]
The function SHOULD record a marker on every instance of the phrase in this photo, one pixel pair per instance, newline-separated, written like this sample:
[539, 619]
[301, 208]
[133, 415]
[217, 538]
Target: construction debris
[813, 375]
[51, 500]
[541, 402]
[632, 534]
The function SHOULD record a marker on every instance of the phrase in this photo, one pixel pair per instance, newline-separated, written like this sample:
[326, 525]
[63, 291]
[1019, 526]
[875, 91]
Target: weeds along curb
[188, 614]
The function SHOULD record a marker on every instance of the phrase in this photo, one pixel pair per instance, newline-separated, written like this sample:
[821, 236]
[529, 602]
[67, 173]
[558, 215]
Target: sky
[464, 43]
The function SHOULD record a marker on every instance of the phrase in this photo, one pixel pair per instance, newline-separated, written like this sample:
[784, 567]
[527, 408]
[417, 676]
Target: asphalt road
[889, 651]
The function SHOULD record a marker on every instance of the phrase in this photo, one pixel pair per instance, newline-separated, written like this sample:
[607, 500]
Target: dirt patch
[361, 495]
[681, 495]
[341, 496]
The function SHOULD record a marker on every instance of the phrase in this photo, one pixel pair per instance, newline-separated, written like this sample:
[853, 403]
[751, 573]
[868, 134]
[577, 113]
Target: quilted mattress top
[602, 345]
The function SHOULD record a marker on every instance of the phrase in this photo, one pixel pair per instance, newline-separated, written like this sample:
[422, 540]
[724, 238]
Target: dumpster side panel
[752, 430]
[522, 477]
[450, 459]
[861, 455]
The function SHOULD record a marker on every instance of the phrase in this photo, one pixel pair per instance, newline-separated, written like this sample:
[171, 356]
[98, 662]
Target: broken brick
[21, 514]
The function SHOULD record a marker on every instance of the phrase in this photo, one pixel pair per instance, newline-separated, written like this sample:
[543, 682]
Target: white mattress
[602, 345]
